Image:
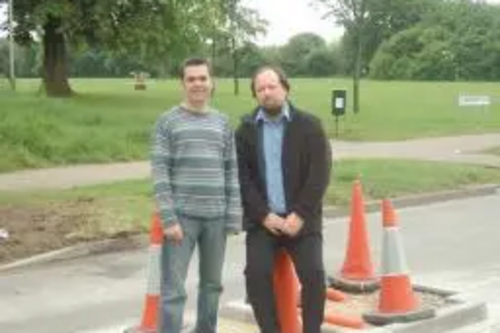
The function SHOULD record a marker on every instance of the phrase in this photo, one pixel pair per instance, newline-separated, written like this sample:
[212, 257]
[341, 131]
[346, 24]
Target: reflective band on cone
[149, 321]
[397, 300]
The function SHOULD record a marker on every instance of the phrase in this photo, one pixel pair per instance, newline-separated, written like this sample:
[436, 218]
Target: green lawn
[126, 206]
[109, 121]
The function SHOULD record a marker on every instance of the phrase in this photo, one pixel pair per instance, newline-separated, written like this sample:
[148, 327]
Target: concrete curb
[457, 315]
[141, 241]
[378, 319]
[81, 250]
[447, 319]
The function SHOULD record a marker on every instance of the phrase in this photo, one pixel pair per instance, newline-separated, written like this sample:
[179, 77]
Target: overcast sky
[287, 18]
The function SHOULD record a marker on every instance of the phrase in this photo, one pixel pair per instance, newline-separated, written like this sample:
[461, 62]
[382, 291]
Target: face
[269, 92]
[197, 84]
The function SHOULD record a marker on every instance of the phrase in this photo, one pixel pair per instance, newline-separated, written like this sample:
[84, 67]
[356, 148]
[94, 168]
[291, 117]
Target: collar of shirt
[285, 114]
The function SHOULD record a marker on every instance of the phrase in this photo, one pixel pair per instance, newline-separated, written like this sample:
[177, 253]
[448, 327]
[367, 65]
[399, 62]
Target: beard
[272, 111]
[272, 107]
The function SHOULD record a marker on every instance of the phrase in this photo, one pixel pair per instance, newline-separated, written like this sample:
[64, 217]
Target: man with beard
[284, 162]
[195, 176]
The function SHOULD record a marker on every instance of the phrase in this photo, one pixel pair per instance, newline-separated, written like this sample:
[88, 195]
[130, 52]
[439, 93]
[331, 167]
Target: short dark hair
[194, 61]
[281, 76]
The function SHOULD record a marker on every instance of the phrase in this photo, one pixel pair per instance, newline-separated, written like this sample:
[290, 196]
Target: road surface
[452, 245]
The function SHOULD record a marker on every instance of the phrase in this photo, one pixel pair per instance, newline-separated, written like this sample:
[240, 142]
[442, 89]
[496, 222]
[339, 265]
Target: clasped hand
[289, 226]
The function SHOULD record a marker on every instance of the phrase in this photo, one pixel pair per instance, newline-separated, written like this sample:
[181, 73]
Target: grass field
[109, 121]
[126, 206]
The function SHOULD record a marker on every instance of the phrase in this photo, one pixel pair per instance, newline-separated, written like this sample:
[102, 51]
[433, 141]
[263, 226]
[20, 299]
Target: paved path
[460, 149]
[467, 149]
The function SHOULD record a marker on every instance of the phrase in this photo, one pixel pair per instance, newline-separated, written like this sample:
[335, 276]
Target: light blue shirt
[273, 129]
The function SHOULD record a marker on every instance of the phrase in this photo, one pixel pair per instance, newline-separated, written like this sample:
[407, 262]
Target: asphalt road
[452, 245]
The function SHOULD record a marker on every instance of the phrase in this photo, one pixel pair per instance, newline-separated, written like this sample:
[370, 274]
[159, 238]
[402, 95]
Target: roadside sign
[474, 100]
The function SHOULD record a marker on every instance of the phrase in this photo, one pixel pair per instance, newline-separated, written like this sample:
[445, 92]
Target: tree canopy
[149, 29]
[383, 39]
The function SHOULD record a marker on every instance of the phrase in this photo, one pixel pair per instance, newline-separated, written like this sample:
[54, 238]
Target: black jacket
[306, 161]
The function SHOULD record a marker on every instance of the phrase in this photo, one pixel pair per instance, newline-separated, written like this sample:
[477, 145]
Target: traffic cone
[357, 273]
[335, 295]
[397, 301]
[149, 321]
[342, 320]
[286, 286]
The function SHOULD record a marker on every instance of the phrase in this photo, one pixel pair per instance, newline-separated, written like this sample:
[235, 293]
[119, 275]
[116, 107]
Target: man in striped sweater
[195, 176]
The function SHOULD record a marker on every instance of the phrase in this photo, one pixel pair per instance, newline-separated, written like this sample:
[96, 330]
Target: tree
[296, 51]
[456, 41]
[416, 53]
[244, 23]
[4, 57]
[388, 17]
[353, 16]
[232, 26]
[251, 58]
[320, 62]
[272, 55]
[26, 64]
[475, 31]
[150, 28]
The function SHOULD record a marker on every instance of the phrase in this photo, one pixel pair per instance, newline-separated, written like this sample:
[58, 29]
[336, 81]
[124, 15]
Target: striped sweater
[194, 167]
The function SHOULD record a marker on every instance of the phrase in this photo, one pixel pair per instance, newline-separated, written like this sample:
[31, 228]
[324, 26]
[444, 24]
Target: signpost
[338, 106]
[475, 102]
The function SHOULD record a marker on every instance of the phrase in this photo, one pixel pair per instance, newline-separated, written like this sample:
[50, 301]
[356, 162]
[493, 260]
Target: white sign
[339, 103]
[474, 100]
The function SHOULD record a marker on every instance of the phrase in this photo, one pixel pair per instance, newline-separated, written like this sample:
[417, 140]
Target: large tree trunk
[55, 61]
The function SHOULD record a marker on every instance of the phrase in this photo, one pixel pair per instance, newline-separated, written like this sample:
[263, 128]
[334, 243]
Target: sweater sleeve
[161, 163]
[232, 186]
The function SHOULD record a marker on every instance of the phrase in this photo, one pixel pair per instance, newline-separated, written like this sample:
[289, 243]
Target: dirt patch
[349, 312]
[35, 230]
[357, 304]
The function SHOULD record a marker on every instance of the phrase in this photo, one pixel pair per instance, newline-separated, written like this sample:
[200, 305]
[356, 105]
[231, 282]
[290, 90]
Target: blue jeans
[210, 235]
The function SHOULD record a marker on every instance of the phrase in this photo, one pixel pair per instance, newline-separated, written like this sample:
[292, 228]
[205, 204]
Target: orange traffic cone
[286, 288]
[397, 301]
[357, 273]
[335, 295]
[343, 320]
[149, 322]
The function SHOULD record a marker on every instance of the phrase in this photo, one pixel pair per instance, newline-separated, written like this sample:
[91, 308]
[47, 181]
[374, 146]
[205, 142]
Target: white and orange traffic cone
[397, 300]
[357, 274]
[149, 321]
